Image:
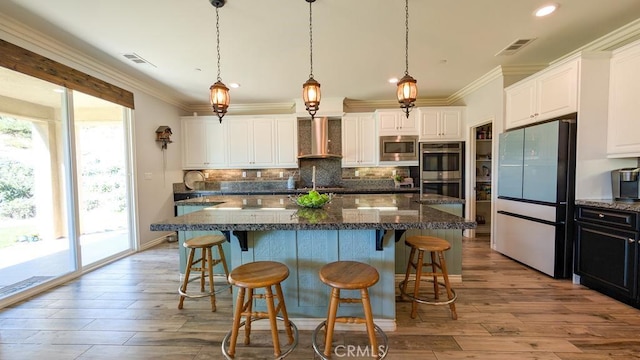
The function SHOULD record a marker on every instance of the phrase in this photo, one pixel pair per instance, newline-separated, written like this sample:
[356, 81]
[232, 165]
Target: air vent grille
[514, 47]
[137, 59]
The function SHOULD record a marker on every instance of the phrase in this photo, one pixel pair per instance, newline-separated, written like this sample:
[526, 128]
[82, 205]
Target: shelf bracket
[242, 238]
[379, 239]
[398, 234]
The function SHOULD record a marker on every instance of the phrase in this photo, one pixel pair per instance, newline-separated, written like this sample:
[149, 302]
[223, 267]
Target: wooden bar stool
[204, 264]
[438, 266]
[251, 276]
[349, 275]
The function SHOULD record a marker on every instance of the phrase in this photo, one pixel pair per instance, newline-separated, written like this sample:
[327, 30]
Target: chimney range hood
[320, 140]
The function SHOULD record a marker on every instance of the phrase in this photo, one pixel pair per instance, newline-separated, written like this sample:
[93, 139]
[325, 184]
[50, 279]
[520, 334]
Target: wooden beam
[27, 62]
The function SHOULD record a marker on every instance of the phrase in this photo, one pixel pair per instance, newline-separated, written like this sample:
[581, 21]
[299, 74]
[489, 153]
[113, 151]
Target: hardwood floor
[128, 310]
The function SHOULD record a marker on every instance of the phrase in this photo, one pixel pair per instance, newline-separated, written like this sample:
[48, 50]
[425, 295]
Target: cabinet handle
[600, 216]
[532, 116]
[631, 241]
[536, 114]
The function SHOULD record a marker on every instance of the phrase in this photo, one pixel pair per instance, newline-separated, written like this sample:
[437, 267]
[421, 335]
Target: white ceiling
[357, 44]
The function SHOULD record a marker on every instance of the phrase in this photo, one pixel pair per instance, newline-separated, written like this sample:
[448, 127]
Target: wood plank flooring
[128, 310]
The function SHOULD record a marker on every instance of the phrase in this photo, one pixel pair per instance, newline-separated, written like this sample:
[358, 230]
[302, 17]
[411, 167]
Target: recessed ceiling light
[393, 80]
[546, 10]
[234, 85]
[58, 90]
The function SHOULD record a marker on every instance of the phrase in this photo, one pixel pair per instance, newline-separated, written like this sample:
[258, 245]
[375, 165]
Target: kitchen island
[351, 227]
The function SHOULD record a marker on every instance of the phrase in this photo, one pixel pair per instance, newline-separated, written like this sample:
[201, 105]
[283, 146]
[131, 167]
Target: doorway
[482, 178]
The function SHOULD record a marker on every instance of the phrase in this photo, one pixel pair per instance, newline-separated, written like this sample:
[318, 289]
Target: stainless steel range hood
[320, 140]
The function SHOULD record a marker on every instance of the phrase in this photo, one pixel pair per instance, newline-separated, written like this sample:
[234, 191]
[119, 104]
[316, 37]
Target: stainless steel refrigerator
[536, 182]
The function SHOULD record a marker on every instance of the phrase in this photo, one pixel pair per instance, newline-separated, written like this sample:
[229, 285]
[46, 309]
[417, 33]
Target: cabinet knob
[536, 114]
[631, 241]
[532, 116]
[600, 216]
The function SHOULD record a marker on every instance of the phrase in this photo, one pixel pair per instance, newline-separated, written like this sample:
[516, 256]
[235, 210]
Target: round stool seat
[428, 243]
[259, 274]
[204, 241]
[349, 275]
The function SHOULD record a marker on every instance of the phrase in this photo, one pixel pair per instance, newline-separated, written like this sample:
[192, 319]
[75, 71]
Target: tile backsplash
[369, 173]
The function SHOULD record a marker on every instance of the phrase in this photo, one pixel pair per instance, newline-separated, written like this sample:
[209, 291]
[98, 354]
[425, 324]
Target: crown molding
[28, 38]
[248, 109]
[611, 41]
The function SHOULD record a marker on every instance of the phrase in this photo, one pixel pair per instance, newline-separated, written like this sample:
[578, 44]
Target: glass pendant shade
[219, 98]
[311, 95]
[407, 93]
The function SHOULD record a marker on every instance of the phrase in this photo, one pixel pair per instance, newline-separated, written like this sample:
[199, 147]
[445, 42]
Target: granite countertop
[611, 204]
[344, 212]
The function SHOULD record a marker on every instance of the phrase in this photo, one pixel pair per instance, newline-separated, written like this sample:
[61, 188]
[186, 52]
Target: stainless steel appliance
[441, 168]
[625, 184]
[536, 182]
[399, 148]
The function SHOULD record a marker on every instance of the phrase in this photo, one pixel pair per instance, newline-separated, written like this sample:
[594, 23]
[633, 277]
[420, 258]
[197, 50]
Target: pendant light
[219, 92]
[311, 88]
[407, 89]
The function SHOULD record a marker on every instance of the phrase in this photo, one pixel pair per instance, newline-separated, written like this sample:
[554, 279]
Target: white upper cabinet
[550, 93]
[440, 123]
[250, 142]
[623, 135]
[359, 140]
[395, 122]
[203, 145]
[286, 141]
[239, 142]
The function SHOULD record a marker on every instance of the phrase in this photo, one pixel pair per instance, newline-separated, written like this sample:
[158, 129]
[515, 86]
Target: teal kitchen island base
[367, 228]
[305, 252]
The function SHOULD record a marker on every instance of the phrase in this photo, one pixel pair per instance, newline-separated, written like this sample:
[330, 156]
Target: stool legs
[445, 274]
[331, 320]
[246, 308]
[223, 259]
[186, 277]
[437, 263]
[236, 321]
[368, 316]
[285, 315]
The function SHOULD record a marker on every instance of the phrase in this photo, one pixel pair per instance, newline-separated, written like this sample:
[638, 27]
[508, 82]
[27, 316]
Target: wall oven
[442, 168]
[399, 148]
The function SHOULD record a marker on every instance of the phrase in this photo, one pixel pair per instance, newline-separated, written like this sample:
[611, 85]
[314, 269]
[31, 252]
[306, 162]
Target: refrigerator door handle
[529, 218]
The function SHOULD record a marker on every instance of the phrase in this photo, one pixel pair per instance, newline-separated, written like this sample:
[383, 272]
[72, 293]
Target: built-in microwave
[399, 148]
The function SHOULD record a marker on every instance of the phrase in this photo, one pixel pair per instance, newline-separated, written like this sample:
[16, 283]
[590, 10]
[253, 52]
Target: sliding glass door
[102, 175]
[65, 184]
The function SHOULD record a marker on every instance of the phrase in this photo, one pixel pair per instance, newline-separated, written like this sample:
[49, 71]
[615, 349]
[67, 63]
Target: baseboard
[154, 242]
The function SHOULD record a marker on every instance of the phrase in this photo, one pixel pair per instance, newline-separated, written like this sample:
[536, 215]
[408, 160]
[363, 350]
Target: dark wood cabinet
[606, 252]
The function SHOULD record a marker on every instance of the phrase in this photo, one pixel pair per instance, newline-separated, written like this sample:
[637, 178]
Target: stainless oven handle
[441, 151]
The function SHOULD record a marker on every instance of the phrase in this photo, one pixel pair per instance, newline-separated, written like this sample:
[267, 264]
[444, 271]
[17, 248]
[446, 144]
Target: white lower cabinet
[359, 140]
[203, 144]
[624, 107]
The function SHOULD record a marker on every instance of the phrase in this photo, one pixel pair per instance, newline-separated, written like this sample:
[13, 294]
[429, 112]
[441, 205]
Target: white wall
[156, 170]
[483, 105]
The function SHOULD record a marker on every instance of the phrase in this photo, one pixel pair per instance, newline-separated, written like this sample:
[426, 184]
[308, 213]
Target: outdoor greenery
[16, 176]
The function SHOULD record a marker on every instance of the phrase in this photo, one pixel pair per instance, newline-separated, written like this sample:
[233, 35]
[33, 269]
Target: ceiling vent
[136, 59]
[514, 47]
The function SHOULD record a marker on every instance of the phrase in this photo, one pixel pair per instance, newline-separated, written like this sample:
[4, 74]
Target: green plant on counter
[398, 178]
[312, 215]
[313, 199]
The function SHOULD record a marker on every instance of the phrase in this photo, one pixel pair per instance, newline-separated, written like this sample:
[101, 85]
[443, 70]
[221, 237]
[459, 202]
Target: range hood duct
[320, 140]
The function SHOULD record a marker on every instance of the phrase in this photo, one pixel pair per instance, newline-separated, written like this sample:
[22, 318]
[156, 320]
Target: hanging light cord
[310, 41]
[406, 37]
[218, 42]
